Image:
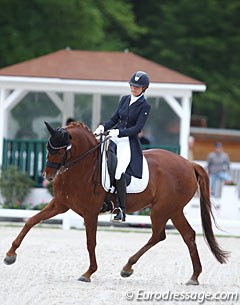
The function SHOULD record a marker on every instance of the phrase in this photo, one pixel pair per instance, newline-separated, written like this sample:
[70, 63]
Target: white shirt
[134, 98]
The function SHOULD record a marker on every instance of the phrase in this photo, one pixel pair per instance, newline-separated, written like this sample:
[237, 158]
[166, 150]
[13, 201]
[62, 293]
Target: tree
[200, 39]
[30, 28]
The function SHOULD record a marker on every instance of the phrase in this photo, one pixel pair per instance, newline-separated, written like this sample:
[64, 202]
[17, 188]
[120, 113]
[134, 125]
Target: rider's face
[136, 91]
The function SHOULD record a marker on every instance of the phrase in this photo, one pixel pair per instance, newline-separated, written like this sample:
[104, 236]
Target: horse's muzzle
[48, 175]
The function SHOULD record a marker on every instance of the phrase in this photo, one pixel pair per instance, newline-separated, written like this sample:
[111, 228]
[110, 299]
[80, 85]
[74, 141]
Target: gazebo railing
[29, 156]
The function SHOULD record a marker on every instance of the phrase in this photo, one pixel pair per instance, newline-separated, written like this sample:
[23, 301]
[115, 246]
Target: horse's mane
[84, 127]
[78, 124]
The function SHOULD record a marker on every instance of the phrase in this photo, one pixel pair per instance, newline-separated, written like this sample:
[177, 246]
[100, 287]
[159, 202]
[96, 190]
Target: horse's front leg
[91, 232]
[49, 211]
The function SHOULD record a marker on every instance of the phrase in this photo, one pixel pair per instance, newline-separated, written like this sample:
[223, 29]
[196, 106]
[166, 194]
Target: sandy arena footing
[50, 261]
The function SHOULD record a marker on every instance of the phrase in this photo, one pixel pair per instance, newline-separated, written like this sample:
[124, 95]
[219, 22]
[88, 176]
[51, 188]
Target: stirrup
[107, 207]
[120, 211]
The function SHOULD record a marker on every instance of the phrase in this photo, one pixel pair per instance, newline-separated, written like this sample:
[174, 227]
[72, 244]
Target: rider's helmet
[139, 79]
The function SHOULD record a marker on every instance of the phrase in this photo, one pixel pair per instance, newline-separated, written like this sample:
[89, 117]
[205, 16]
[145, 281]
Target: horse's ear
[50, 129]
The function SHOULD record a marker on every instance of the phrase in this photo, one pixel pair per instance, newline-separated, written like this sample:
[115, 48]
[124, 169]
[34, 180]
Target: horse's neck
[83, 141]
[85, 155]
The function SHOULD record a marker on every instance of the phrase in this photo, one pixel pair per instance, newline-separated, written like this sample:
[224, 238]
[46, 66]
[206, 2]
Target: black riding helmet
[139, 79]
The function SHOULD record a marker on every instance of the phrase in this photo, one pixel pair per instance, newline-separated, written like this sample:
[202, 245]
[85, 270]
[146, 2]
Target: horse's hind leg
[188, 235]
[158, 234]
[49, 211]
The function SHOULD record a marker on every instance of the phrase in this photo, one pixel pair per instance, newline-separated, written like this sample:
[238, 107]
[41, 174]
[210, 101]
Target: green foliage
[17, 206]
[15, 186]
[145, 212]
[200, 39]
[39, 206]
[32, 28]
[50, 188]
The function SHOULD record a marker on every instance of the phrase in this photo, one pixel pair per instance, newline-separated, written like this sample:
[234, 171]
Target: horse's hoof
[192, 282]
[9, 260]
[126, 273]
[84, 279]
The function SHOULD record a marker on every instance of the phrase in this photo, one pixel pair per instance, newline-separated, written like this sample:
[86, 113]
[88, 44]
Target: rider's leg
[121, 199]
[124, 156]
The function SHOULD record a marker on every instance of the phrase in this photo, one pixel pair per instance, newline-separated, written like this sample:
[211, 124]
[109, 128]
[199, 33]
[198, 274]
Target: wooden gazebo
[71, 72]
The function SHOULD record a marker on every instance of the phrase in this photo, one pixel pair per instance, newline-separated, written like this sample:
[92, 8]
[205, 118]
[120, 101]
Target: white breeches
[123, 155]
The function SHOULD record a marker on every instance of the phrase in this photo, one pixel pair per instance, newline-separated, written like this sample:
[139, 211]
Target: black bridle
[62, 163]
[65, 164]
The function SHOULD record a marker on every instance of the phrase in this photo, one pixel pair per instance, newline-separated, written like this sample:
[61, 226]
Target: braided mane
[83, 126]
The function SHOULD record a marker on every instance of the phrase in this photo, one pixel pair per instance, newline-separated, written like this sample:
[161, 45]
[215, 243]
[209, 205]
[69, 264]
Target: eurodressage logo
[200, 297]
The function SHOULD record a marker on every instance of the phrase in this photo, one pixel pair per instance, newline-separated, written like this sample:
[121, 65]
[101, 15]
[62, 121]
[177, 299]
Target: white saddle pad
[136, 185]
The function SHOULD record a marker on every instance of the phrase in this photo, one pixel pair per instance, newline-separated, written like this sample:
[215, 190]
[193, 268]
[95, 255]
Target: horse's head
[58, 146]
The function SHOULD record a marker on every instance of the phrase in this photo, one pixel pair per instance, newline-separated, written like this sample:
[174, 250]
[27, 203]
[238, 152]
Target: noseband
[53, 150]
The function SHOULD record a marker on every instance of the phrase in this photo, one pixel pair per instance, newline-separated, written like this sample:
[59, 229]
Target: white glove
[113, 132]
[99, 130]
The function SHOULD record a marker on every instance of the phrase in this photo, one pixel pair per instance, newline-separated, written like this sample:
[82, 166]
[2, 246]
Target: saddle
[111, 159]
[109, 165]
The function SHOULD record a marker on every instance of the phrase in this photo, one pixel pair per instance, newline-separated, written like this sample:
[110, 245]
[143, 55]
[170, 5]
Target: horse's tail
[206, 214]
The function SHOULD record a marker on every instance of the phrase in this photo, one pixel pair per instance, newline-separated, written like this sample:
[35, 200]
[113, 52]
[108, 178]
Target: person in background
[191, 142]
[218, 168]
[69, 121]
[124, 126]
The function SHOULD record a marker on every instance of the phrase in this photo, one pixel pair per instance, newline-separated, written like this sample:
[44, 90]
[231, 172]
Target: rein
[78, 159]
[67, 164]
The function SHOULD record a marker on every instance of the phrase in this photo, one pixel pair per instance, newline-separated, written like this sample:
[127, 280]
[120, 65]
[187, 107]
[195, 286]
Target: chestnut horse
[73, 165]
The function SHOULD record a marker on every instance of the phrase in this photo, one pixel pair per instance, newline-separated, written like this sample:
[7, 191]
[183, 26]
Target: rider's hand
[99, 130]
[113, 132]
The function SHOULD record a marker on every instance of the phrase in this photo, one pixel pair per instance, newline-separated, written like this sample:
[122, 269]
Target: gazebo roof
[95, 66]
[97, 73]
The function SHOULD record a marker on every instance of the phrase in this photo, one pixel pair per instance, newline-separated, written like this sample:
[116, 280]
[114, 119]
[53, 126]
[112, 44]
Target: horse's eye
[60, 151]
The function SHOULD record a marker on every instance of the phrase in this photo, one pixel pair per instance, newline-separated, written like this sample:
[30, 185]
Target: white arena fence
[228, 212]
[71, 219]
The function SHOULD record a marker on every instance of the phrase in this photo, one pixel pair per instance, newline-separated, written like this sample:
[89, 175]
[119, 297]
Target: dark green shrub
[14, 185]
[39, 206]
[50, 188]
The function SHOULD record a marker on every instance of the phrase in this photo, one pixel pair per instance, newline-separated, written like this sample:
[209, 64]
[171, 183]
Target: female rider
[128, 120]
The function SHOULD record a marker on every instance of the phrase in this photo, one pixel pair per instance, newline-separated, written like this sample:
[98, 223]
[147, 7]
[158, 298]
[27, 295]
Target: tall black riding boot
[121, 199]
